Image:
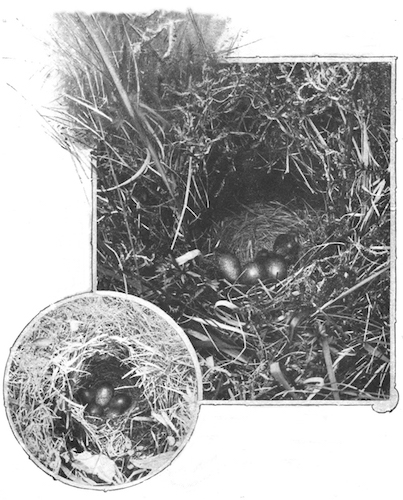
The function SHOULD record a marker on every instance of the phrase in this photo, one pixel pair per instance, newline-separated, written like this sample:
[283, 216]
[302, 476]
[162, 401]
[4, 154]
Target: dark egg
[104, 393]
[276, 268]
[229, 266]
[120, 402]
[252, 273]
[85, 395]
[94, 410]
[287, 245]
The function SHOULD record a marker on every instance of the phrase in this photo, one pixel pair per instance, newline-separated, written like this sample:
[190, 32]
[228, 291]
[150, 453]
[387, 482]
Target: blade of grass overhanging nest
[119, 159]
[136, 116]
[139, 172]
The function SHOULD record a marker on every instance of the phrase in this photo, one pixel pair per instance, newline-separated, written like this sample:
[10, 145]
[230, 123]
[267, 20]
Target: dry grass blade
[185, 204]
[135, 176]
[135, 114]
[328, 361]
[278, 375]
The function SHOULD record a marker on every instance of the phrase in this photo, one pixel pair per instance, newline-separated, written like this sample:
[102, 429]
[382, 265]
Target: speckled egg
[104, 393]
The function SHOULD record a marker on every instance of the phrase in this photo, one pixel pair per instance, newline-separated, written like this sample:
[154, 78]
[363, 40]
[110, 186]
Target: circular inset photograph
[102, 390]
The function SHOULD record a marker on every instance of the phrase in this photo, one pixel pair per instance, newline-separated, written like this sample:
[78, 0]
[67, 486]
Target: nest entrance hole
[233, 207]
[253, 183]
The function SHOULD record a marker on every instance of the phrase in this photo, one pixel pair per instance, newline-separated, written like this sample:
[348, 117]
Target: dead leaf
[98, 465]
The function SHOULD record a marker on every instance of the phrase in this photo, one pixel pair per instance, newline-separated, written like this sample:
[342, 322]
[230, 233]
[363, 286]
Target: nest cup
[257, 227]
[79, 343]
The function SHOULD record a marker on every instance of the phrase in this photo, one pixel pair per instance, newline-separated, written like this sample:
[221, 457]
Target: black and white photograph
[250, 201]
[200, 252]
[102, 390]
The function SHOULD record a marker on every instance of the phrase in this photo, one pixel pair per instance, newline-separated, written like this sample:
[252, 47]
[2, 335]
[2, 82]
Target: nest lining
[257, 226]
[80, 342]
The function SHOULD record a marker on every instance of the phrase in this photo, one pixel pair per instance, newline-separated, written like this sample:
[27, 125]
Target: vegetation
[186, 145]
[101, 337]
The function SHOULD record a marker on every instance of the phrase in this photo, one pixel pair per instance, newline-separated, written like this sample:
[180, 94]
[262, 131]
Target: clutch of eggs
[266, 266]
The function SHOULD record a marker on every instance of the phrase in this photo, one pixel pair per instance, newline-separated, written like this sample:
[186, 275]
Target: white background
[239, 452]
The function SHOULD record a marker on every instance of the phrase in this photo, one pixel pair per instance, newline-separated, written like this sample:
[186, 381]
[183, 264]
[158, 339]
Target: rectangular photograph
[251, 199]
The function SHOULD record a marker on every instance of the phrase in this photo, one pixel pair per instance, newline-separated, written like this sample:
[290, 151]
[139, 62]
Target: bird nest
[320, 333]
[215, 135]
[78, 344]
[257, 226]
